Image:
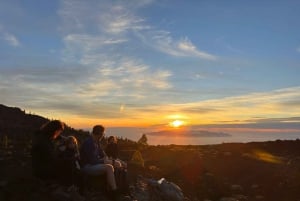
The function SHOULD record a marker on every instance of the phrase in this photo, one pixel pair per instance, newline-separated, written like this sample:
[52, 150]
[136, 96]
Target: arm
[90, 154]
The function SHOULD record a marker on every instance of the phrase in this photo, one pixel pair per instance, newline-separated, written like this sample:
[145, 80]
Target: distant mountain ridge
[188, 133]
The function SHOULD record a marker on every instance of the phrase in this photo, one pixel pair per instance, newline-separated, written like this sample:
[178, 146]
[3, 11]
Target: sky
[146, 63]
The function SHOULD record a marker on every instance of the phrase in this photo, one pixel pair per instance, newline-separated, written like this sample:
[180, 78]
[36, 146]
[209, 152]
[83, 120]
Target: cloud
[88, 49]
[289, 123]
[164, 42]
[96, 71]
[186, 47]
[125, 78]
[237, 109]
[101, 16]
[114, 73]
[120, 20]
[9, 38]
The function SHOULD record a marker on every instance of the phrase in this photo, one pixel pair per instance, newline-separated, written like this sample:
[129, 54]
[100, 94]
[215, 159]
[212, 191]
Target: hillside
[257, 171]
[18, 125]
[238, 171]
[15, 123]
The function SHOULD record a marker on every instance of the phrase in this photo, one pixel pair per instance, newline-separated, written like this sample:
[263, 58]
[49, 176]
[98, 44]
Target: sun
[176, 123]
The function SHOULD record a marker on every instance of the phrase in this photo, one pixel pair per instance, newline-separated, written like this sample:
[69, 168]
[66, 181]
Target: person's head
[52, 129]
[71, 142]
[112, 139]
[98, 132]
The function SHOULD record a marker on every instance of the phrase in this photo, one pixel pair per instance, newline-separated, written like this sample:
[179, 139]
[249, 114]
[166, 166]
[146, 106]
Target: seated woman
[44, 157]
[112, 152]
[69, 161]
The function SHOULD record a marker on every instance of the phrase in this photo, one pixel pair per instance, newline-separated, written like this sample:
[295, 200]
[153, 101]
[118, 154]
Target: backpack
[121, 178]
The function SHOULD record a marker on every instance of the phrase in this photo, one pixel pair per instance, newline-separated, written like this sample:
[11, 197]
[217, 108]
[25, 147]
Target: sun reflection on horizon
[176, 123]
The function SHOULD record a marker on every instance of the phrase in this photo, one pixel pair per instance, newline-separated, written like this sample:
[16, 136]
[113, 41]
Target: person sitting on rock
[70, 161]
[112, 152]
[44, 156]
[93, 158]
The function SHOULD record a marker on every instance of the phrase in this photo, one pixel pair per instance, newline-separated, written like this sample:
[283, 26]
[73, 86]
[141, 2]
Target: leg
[116, 163]
[101, 169]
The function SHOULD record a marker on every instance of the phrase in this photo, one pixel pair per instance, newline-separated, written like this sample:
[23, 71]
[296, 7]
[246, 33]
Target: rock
[153, 190]
[241, 197]
[127, 198]
[236, 188]
[164, 190]
[228, 199]
[3, 183]
[60, 195]
[259, 197]
[74, 195]
[153, 168]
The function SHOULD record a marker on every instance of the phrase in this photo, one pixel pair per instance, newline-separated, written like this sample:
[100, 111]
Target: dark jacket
[91, 152]
[68, 171]
[112, 150]
[43, 156]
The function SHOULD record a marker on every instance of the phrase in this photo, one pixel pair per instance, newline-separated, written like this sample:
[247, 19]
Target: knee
[118, 164]
[109, 168]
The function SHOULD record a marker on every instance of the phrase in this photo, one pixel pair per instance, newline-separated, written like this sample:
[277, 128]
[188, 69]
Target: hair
[98, 130]
[51, 127]
[112, 138]
[71, 139]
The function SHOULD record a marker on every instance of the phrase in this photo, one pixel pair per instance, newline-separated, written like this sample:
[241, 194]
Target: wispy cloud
[114, 72]
[119, 19]
[164, 42]
[9, 38]
[239, 108]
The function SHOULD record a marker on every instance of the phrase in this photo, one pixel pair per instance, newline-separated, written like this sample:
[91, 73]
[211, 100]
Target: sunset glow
[176, 123]
[154, 64]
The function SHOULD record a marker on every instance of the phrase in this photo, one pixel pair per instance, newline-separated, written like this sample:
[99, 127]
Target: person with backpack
[93, 159]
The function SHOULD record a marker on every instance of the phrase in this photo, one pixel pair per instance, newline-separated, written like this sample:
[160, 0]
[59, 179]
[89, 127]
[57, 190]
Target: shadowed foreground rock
[268, 171]
[152, 190]
[31, 189]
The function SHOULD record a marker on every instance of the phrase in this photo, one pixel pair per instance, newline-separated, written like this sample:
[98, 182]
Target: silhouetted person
[69, 161]
[44, 158]
[93, 158]
[112, 149]
[112, 152]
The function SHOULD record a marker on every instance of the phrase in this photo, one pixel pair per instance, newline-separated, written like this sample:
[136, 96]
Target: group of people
[69, 163]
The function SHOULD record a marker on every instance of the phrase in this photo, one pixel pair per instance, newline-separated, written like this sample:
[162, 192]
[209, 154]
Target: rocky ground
[266, 171]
